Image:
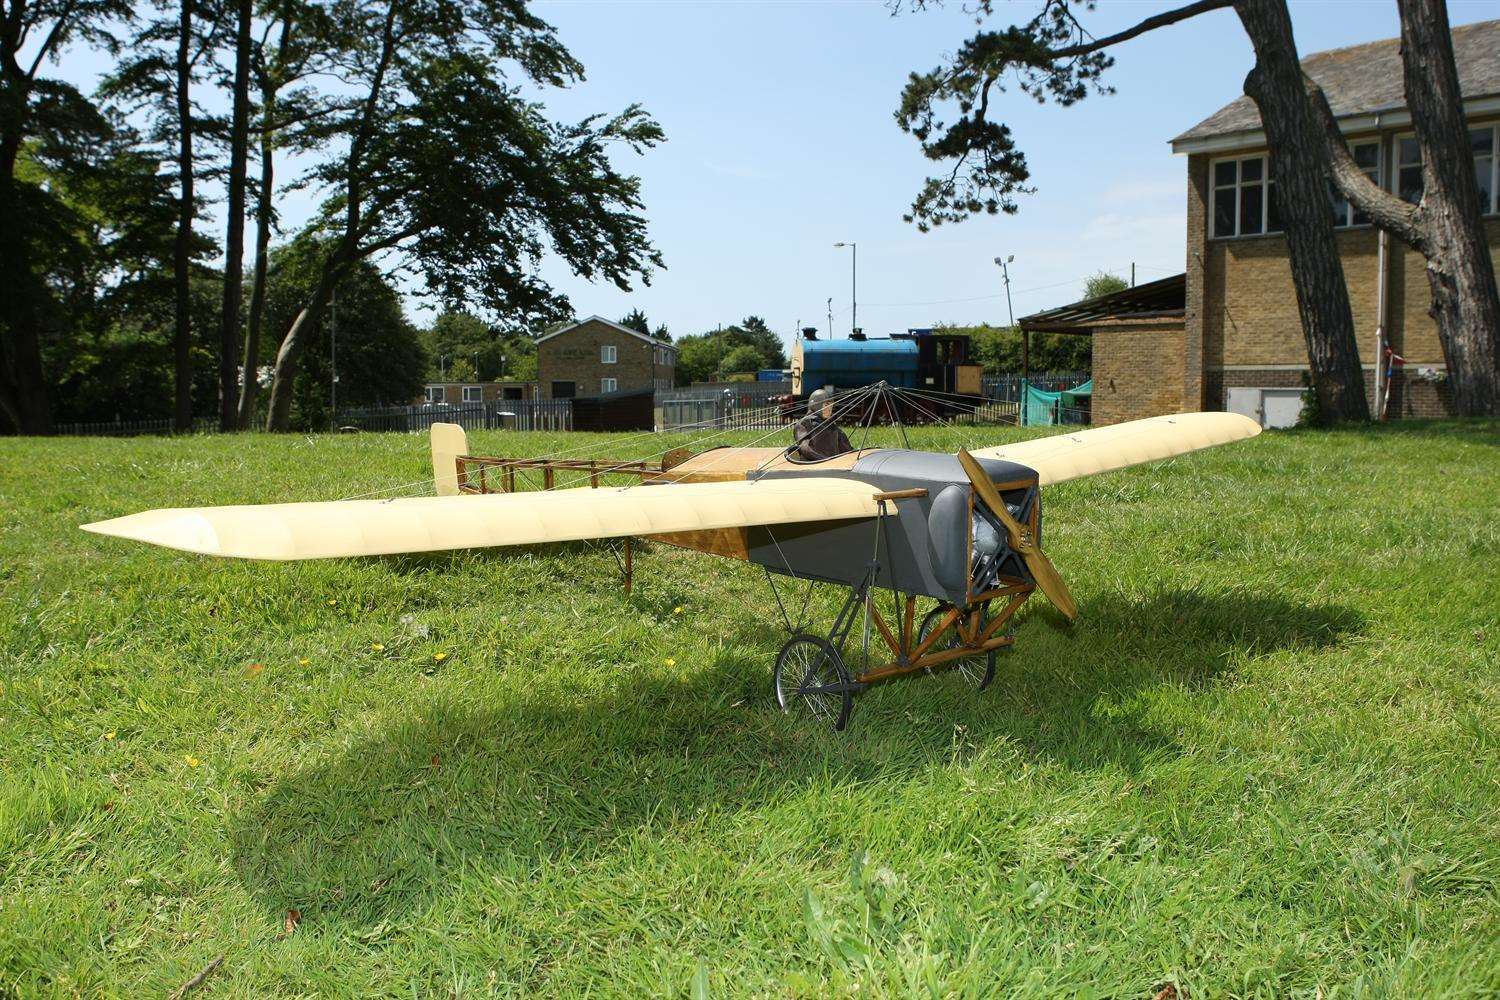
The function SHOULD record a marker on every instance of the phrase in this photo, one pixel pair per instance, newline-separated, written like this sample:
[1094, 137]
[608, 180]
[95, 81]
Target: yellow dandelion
[677, 610]
[191, 760]
[110, 735]
[378, 647]
[332, 602]
[304, 661]
[671, 662]
[439, 657]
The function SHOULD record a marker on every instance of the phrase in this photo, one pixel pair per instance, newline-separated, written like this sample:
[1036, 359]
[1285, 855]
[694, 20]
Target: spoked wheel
[811, 679]
[977, 674]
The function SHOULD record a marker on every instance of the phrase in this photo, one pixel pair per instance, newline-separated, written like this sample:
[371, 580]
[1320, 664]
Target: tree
[998, 349]
[157, 78]
[1446, 226]
[1053, 57]
[1103, 283]
[234, 235]
[287, 118]
[489, 352]
[54, 116]
[744, 358]
[381, 358]
[449, 170]
[636, 320]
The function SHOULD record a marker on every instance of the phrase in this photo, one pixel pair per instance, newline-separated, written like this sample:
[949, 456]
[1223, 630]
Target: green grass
[1265, 762]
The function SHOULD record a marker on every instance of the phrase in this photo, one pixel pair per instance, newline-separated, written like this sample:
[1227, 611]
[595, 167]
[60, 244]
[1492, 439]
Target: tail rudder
[448, 442]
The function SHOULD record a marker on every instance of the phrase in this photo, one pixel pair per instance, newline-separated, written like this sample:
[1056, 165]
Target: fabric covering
[1041, 407]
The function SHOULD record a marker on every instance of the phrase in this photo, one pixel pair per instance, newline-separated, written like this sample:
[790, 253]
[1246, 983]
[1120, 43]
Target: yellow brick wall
[1137, 371]
[574, 357]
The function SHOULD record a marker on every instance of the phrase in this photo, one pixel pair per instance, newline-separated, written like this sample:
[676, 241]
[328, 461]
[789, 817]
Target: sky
[781, 142]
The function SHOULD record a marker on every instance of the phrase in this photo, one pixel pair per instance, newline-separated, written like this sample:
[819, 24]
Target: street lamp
[853, 285]
[1004, 265]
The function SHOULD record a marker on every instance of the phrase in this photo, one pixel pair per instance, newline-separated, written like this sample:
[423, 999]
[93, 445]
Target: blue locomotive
[934, 365]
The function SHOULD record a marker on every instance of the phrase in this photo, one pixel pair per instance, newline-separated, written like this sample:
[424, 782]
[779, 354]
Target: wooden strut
[911, 656]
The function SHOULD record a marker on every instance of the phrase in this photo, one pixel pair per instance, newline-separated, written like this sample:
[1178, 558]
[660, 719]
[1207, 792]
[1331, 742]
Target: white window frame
[608, 354]
[436, 394]
[607, 385]
[1345, 214]
[1493, 128]
[478, 394]
[1265, 184]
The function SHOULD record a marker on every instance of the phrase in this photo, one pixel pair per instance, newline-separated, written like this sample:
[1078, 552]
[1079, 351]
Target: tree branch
[52, 36]
[1149, 24]
[1385, 209]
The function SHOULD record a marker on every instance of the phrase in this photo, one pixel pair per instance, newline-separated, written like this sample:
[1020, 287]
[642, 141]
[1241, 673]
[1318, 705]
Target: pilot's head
[821, 403]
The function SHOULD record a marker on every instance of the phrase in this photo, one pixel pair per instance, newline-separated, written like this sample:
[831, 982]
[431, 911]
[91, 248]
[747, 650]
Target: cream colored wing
[1104, 449]
[427, 524]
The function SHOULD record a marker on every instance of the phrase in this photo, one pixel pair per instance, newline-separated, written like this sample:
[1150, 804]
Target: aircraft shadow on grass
[568, 773]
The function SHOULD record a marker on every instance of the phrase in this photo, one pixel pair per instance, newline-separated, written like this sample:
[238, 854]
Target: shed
[1138, 366]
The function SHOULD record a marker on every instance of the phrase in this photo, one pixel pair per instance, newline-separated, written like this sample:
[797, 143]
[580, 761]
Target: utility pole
[853, 287]
[1132, 274]
[830, 317]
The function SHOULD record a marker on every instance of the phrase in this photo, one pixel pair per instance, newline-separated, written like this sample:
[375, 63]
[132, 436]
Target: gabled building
[1242, 334]
[596, 357]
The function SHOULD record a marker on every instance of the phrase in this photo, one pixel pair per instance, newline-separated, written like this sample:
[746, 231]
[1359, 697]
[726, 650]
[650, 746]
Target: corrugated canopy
[1166, 297]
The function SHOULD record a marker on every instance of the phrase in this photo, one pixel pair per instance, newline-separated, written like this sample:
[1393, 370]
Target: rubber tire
[833, 669]
[929, 621]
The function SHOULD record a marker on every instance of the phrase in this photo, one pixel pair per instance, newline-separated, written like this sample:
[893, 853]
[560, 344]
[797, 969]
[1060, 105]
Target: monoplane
[963, 530]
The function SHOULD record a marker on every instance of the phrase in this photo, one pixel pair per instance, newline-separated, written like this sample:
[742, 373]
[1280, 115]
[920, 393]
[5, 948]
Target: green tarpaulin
[1042, 407]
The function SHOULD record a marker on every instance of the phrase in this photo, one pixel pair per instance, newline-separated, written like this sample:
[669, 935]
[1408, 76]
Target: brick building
[594, 357]
[454, 393]
[1239, 343]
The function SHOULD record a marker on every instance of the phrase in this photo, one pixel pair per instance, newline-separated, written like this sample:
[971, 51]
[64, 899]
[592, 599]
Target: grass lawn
[1265, 761]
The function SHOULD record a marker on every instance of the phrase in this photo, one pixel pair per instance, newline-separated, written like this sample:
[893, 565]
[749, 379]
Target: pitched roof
[1366, 79]
[609, 323]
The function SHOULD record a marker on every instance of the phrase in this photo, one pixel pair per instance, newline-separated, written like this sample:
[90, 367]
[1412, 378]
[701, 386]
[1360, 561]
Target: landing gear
[977, 674]
[811, 679]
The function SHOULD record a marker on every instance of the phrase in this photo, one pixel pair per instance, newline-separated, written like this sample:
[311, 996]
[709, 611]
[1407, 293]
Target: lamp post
[853, 285]
[1004, 265]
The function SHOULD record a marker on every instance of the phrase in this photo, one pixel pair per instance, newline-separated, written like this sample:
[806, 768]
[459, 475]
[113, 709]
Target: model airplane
[964, 530]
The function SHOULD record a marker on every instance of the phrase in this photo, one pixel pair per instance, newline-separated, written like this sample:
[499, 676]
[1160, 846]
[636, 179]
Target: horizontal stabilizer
[428, 524]
[1119, 446]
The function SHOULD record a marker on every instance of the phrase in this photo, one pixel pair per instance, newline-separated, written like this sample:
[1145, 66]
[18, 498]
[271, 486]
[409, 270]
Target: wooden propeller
[1021, 540]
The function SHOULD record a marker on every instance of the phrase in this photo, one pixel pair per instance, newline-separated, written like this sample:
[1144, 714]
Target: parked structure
[1243, 347]
[596, 357]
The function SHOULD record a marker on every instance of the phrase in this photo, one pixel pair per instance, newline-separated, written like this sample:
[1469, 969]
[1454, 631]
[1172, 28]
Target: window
[436, 394]
[608, 384]
[608, 354]
[1486, 166]
[1367, 155]
[1482, 145]
[473, 394]
[1244, 198]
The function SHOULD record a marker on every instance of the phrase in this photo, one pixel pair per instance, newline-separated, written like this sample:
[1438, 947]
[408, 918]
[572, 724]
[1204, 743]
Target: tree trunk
[234, 237]
[250, 389]
[23, 386]
[1300, 166]
[182, 255]
[279, 413]
[269, 85]
[1465, 303]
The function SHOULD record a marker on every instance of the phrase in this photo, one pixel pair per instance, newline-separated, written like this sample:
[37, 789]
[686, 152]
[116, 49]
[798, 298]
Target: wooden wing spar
[330, 529]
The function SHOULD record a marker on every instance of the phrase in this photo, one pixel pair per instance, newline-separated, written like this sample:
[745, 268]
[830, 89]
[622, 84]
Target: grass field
[1265, 762]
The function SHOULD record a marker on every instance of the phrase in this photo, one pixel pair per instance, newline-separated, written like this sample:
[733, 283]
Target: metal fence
[726, 405]
[500, 414]
[131, 428]
[1008, 387]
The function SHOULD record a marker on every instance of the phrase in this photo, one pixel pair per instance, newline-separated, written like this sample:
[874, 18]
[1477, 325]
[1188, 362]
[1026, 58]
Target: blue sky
[781, 142]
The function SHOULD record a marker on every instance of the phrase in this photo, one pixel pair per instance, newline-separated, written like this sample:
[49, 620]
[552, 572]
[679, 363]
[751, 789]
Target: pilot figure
[816, 436]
